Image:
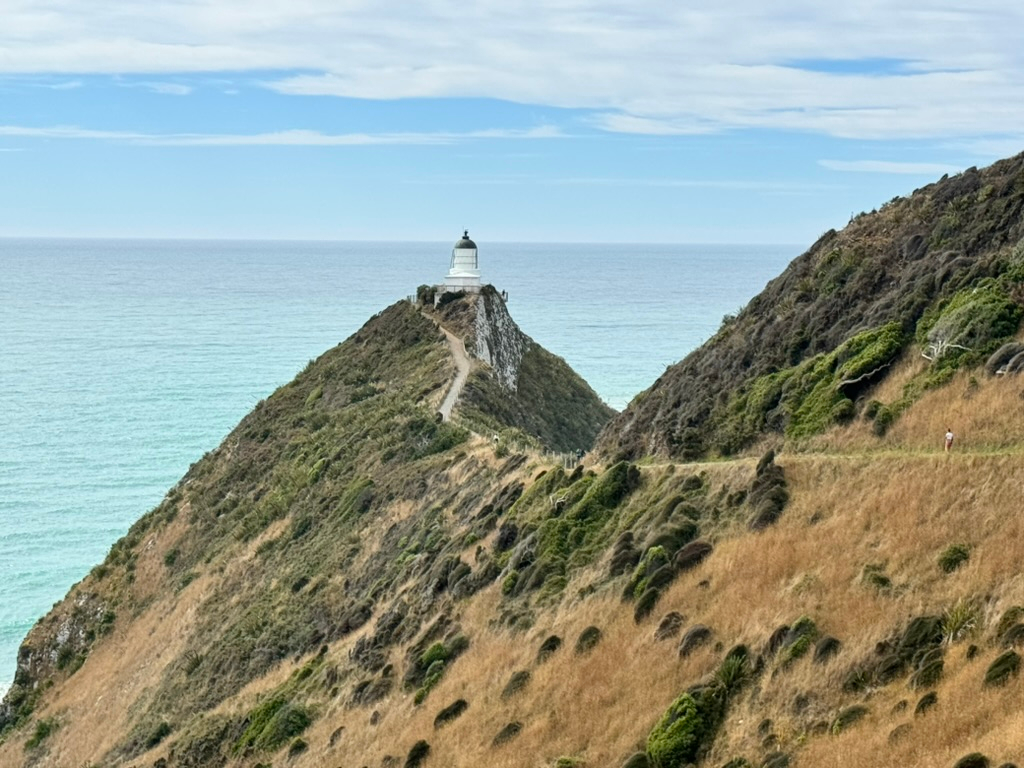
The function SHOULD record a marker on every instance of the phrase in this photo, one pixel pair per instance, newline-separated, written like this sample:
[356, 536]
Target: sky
[737, 121]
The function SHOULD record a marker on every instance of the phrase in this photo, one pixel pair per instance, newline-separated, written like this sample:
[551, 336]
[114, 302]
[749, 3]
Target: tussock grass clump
[973, 760]
[873, 575]
[417, 754]
[953, 557]
[961, 620]
[669, 626]
[826, 648]
[1005, 666]
[1011, 617]
[515, 684]
[507, 733]
[692, 555]
[848, 717]
[588, 640]
[798, 640]
[694, 638]
[645, 604]
[451, 712]
[548, 648]
[925, 703]
[768, 495]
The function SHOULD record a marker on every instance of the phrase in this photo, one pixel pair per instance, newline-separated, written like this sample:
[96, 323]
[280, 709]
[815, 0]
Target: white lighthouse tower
[464, 273]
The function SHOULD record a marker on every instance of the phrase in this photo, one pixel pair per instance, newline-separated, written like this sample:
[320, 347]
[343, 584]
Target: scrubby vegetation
[938, 273]
[348, 579]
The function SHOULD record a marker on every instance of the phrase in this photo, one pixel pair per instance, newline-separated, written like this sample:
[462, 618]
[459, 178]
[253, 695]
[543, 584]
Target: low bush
[953, 557]
[548, 648]
[507, 733]
[451, 712]
[1006, 665]
[587, 640]
[419, 752]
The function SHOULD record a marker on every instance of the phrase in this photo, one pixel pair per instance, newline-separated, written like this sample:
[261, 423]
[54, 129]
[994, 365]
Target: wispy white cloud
[658, 67]
[12, 149]
[750, 185]
[170, 89]
[888, 166]
[289, 138]
[65, 85]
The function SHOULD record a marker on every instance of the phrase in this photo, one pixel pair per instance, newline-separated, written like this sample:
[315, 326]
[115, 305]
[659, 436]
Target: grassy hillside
[349, 581]
[864, 548]
[941, 271]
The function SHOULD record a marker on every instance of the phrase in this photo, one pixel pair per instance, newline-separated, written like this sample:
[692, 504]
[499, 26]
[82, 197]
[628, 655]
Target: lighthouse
[464, 273]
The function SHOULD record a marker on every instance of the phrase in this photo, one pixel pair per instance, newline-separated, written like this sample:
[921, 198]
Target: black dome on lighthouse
[464, 241]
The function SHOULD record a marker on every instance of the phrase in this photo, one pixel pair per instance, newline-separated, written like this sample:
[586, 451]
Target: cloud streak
[887, 166]
[287, 138]
[656, 68]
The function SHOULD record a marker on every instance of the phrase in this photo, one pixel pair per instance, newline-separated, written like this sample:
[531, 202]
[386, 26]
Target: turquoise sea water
[122, 362]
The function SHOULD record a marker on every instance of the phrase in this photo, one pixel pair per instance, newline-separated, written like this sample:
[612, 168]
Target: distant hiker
[949, 439]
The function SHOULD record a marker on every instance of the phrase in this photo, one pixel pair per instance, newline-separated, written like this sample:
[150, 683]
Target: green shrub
[686, 729]
[734, 671]
[653, 559]
[161, 732]
[271, 725]
[979, 318]
[44, 729]
[954, 556]
[436, 652]
[434, 674]
[297, 747]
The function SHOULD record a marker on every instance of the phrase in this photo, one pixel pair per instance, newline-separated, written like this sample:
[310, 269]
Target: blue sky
[523, 120]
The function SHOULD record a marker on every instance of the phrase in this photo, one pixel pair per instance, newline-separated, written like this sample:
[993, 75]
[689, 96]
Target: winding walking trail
[462, 365]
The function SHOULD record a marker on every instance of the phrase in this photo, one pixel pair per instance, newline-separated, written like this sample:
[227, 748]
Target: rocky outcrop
[499, 343]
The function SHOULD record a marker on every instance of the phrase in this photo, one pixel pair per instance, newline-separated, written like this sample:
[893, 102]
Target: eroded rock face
[499, 342]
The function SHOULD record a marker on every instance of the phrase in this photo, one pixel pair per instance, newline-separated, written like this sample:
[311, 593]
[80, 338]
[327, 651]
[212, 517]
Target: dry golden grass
[985, 414]
[895, 503]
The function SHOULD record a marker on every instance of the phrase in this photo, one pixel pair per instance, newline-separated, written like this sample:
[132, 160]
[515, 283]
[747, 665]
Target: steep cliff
[521, 384]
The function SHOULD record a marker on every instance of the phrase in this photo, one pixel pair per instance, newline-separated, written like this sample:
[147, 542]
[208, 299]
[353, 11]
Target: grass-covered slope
[941, 270]
[856, 606]
[340, 499]
[349, 581]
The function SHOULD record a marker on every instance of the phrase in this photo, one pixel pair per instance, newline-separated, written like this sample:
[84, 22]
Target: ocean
[122, 362]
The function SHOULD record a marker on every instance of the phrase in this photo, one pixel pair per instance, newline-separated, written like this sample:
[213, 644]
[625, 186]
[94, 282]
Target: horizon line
[229, 239]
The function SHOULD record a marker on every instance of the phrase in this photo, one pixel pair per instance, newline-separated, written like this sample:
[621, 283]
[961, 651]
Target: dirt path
[462, 373]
